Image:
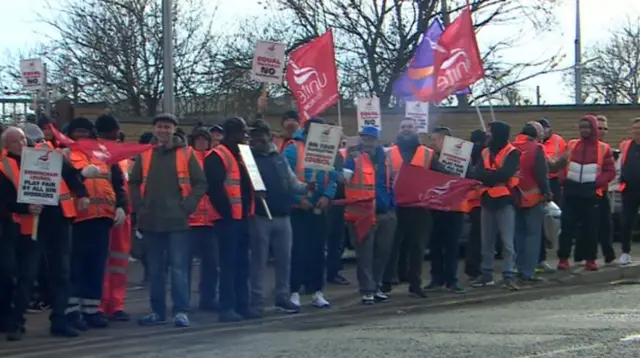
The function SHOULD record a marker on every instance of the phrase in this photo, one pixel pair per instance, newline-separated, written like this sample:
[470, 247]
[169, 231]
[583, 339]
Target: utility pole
[168, 100]
[578, 58]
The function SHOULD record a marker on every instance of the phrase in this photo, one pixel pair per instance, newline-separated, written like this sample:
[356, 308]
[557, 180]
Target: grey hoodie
[162, 209]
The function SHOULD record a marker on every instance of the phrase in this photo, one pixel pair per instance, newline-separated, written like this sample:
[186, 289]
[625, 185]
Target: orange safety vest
[362, 185]
[530, 194]
[625, 145]
[231, 183]
[501, 189]
[182, 170]
[421, 158]
[203, 216]
[602, 150]
[281, 144]
[102, 196]
[554, 147]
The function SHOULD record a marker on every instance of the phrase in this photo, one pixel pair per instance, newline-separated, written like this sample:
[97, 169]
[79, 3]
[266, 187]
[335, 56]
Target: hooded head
[107, 127]
[588, 127]
[479, 139]
[500, 133]
[81, 127]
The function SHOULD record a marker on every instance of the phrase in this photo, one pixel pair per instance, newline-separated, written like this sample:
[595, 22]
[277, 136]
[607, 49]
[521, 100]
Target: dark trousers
[307, 253]
[473, 253]
[605, 228]
[414, 227]
[20, 259]
[444, 247]
[556, 191]
[233, 245]
[335, 241]
[90, 248]
[630, 206]
[205, 246]
[579, 220]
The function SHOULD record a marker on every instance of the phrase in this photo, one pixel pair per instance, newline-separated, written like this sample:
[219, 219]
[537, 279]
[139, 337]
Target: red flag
[363, 223]
[457, 61]
[61, 138]
[312, 76]
[419, 187]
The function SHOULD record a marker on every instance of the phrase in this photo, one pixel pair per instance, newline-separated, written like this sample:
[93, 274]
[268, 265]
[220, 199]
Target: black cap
[216, 129]
[107, 123]
[201, 132]
[165, 117]
[260, 126]
[544, 123]
[145, 138]
[81, 123]
[234, 125]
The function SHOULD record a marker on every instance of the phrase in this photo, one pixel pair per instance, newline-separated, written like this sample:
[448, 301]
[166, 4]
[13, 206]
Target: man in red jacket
[590, 168]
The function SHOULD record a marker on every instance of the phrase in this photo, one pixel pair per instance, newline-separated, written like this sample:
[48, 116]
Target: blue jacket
[328, 190]
[384, 194]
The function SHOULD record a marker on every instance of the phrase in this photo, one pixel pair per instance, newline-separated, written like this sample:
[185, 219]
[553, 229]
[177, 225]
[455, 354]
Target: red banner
[312, 76]
[419, 187]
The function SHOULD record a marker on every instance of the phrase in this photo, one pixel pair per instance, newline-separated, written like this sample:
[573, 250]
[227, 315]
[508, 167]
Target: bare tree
[114, 48]
[375, 39]
[611, 73]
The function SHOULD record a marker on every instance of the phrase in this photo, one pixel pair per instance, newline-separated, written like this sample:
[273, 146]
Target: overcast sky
[19, 27]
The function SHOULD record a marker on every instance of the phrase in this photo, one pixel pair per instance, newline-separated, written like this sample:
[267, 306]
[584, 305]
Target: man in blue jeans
[166, 185]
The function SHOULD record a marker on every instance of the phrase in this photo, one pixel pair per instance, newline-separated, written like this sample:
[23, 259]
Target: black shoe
[229, 316]
[78, 324]
[64, 331]
[416, 291]
[456, 288]
[510, 284]
[386, 287]
[97, 320]
[15, 334]
[433, 286]
[120, 316]
[338, 280]
[251, 313]
[209, 306]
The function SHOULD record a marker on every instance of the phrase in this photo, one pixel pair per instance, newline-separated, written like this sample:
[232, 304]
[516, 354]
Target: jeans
[276, 234]
[372, 253]
[307, 258]
[444, 246]
[630, 206]
[233, 242]
[204, 244]
[528, 235]
[172, 248]
[494, 222]
[335, 241]
[580, 221]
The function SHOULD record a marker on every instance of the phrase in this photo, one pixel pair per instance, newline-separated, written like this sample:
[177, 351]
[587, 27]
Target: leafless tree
[611, 72]
[114, 48]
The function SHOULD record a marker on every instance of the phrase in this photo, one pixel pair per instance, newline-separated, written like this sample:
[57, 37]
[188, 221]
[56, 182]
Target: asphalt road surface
[605, 323]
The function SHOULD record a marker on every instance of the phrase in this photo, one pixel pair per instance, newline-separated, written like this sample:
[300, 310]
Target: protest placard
[254, 175]
[40, 175]
[32, 74]
[456, 155]
[369, 113]
[419, 112]
[268, 62]
[321, 147]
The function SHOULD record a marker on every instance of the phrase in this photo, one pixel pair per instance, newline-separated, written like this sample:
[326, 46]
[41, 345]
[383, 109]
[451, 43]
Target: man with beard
[414, 224]
[290, 124]
[497, 171]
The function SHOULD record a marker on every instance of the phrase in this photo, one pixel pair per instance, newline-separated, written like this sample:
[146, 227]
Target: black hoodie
[500, 133]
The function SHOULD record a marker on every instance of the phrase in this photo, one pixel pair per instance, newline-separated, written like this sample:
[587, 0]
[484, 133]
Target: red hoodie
[586, 152]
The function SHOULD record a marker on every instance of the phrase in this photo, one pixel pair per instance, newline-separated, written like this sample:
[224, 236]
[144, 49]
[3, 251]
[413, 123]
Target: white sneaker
[295, 299]
[625, 259]
[368, 299]
[380, 296]
[319, 301]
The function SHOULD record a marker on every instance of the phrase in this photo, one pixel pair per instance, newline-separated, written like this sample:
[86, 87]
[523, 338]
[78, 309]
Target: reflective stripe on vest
[102, 196]
[182, 170]
[505, 188]
[553, 143]
[231, 183]
[602, 150]
[203, 216]
[530, 194]
[362, 185]
[421, 158]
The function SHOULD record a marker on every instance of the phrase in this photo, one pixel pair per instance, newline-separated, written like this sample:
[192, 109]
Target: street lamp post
[168, 101]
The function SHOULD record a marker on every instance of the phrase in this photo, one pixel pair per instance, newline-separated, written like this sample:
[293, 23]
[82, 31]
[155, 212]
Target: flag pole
[340, 111]
[475, 105]
[486, 86]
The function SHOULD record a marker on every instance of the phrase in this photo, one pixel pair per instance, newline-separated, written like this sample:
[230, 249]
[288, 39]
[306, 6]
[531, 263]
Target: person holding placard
[166, 185]
[309, 221]
[91, 229]
[232, 196]
[281, 185]
[21, 253]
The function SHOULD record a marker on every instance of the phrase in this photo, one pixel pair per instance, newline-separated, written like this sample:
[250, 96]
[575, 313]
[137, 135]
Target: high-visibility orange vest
[182, 170]
[602, 151]
[421, 158]
[203, 216]
[102, 196]
[530, 194]
[362, 185]
[231, 183]
[554, 147]
[504, 189]
[625, 145]
[9, 167]
[281, 143]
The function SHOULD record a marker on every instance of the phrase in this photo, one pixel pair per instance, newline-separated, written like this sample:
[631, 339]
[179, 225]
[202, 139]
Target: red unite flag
[312, 76]
[457, 61]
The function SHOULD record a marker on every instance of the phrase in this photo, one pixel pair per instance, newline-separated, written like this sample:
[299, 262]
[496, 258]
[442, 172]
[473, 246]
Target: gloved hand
[90, 171]
[120, 217]
[83, 203]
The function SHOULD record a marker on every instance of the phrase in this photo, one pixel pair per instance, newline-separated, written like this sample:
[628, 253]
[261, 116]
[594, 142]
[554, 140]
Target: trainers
[510, 284]
[456, 288]
[97, 320]
[338, 280]
[120, 316]
[295, 299]
[287, 306]
[591, 265]
[532, 279]
[152, 319]
[545, 267]
[563, 265]
[318, 300]
[625, 259]
[181, 320]
[483, 281]
[368, 299]
[63, 330]
[380, 296]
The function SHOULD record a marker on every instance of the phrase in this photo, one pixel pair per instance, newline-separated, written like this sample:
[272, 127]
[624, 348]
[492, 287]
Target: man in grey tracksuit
[281, 184]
